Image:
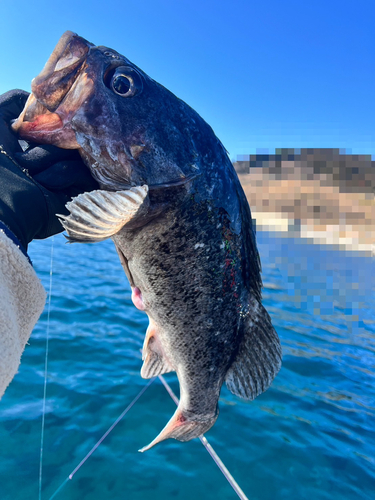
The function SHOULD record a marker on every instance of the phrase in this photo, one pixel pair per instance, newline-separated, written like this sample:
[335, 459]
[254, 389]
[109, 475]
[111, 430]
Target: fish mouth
[36, 121]
[57, 93]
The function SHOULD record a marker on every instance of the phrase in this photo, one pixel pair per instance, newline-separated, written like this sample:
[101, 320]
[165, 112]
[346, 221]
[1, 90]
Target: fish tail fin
[183, 428]
[259, 356]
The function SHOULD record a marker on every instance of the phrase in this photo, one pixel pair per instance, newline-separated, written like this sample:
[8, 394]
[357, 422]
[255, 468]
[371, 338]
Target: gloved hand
[36, 184]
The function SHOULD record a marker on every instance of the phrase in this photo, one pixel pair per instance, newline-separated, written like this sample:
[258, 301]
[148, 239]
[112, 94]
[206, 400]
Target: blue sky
[264, 74]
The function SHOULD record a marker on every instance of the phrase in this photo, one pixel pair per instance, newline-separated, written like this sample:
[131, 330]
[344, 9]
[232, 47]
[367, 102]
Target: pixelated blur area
[319, 201]
[322, 195]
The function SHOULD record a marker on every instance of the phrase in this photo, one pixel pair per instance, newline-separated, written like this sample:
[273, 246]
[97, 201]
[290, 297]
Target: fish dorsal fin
[97, 215]
[259, 356]
[155, 361]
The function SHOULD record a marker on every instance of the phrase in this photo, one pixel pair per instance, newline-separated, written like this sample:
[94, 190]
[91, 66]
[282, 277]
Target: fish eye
[121, 84]
[124, 81]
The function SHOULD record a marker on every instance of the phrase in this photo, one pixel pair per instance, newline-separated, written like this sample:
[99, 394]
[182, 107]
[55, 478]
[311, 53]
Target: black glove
[36, 184]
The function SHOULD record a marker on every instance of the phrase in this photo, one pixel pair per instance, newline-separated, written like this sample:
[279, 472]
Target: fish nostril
[111, 54]
[136, 150]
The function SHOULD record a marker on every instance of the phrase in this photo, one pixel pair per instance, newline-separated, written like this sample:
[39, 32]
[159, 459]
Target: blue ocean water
[310, 436]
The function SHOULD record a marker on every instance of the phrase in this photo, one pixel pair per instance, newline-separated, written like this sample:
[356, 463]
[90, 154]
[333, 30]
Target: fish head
[129, 129]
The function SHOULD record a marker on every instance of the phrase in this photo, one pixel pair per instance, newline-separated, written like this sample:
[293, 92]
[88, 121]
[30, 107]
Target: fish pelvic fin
[97, 215]
[183, 428]
[259, 357]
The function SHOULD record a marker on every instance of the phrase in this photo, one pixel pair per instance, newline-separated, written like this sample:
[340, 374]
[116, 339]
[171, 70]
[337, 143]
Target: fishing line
[202, 438]
[103, 437]
[228, 476]
[45, 374]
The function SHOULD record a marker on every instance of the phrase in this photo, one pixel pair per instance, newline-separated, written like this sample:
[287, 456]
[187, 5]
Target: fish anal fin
[98, 215]
[259, 357]
[155, 361]
[183, 428]
[154, 365]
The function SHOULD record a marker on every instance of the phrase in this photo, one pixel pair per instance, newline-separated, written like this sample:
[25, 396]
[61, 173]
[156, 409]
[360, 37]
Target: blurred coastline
[323, 195]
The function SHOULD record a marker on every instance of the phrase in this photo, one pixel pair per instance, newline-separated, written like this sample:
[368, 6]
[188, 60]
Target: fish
[173, 205]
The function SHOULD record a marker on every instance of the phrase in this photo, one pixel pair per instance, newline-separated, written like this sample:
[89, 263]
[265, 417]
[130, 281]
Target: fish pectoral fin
[97, 215]
[183, 428]
[259, 356]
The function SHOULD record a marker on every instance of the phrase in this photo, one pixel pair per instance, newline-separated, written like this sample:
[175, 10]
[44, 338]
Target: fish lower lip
[38, 124]
[34, 115]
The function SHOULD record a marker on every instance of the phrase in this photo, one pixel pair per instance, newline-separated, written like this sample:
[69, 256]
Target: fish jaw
[57, 94]
[61, 70]
[183, 427]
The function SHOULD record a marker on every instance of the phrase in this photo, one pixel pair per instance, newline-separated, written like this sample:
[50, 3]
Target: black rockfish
[173, 205]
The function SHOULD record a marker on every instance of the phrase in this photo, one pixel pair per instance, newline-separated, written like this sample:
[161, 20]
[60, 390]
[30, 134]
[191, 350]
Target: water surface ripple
[310, 436]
